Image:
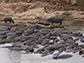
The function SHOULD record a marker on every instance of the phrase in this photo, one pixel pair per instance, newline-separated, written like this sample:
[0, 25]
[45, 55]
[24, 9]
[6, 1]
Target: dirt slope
[24, 11]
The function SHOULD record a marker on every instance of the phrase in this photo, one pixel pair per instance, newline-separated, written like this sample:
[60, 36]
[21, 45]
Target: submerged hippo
[55, 20]
[8, 19]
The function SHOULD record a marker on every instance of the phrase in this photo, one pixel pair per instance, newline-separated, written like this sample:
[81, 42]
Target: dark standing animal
[55, 20]
[8, 19]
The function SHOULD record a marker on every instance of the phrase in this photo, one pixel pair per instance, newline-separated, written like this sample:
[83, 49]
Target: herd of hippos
[41, 40]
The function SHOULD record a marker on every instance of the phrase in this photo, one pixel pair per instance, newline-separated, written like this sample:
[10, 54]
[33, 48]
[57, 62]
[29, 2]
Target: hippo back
[55, 19]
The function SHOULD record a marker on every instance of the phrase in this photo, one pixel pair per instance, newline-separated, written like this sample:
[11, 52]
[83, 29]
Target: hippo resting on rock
[8, 19]
[55, 20]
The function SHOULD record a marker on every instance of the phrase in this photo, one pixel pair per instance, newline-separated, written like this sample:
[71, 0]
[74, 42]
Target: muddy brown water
[7, 56]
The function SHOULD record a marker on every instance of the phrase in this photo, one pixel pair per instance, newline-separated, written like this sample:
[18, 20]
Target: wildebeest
[55, 20]
[8, 19]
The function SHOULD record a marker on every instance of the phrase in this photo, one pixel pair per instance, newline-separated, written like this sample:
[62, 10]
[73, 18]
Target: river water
[7, 56]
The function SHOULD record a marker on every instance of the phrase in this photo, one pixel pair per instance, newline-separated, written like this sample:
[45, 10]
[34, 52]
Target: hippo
[60, 29]
[82, 39]
[5, 28]
[33, 26]
[13, 36]
[65, 36]
[36, 30]
[18, 33]
[37, 35]
[75, 34]
[56, 55]
[81, 52]
[28, 48]
[55, 20]
[2, 33]
[55, 46]
[28, 32]
[40, 50]
[56, 40]
[5, 41]
[81, 45]
[31, 22]
[45, 41]
[43, 23]
[64, 56]
[69, 41]
[8, 19]
[3, 37]
[16, 29]
[39, 41]
[16, 47]
[53, 37]
[45, 31]
[22, 38]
